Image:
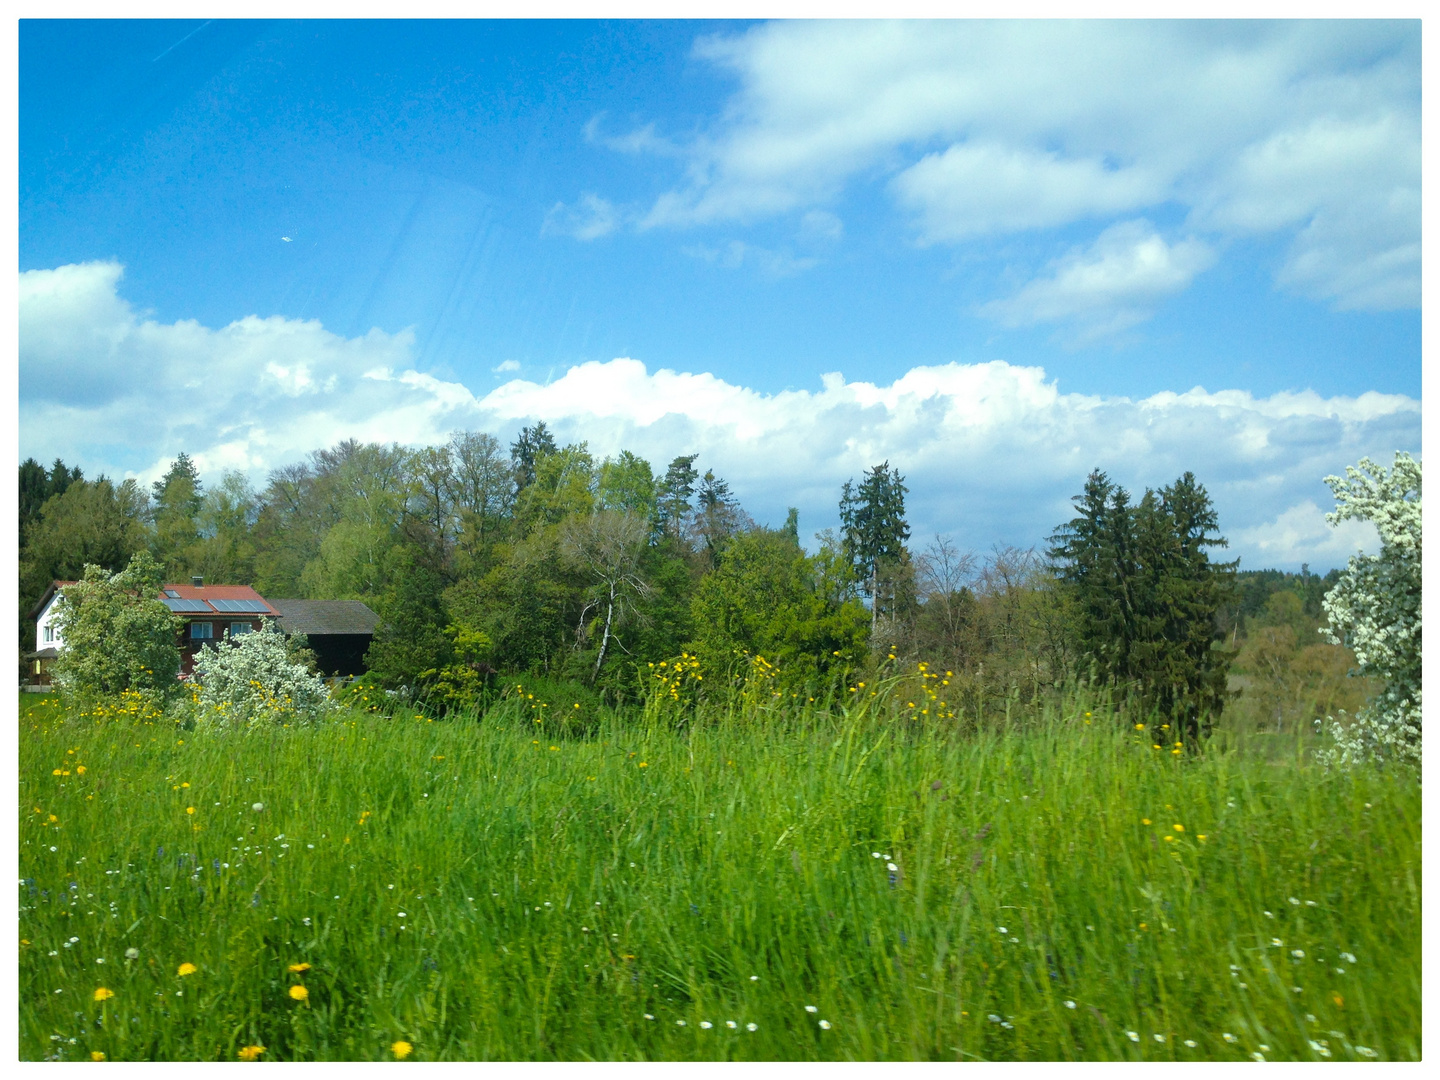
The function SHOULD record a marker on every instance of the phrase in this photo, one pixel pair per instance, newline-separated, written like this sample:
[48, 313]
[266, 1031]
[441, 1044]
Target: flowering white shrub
[1375, 609]
[254, 679]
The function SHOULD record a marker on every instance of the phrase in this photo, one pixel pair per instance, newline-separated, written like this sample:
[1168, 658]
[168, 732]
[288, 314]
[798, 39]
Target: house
[337, 631]
[210, 612]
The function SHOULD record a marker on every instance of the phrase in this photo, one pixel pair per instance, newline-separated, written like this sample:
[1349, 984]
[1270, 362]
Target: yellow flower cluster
[673, 675]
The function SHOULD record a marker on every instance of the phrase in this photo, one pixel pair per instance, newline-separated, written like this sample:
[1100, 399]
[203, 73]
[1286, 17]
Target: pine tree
[1147, 595]
[676, 490]
[872, 520]
[533, 444]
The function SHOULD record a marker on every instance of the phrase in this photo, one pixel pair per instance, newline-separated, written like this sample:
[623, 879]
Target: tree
[38, 486]
[178, 497]
[716, 519]
[872, 520]
[118, 635]
[533, 444]
[676, 490]
[226, 549]
[1146, 595]
[91, 522]
[410, 641]
[627, 484]
[484, 494]
[1375, 608]
[768, 598]
[607, 546]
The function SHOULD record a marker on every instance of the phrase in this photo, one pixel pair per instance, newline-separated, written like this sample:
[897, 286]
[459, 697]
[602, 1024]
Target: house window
[238, 628]
[202, 630]
[49, 632]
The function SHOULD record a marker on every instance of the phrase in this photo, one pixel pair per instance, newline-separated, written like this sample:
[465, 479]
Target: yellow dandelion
[1144, 821]
[97, 1055]
[80, 769]
[190, 809]
[249, 1053]
[186, 969]
[103, 995]
[297, 968]
[299, 993]
[1178, 828]
[400, 1048]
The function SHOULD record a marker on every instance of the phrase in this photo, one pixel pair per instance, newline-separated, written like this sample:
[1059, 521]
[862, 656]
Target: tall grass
[488, 888]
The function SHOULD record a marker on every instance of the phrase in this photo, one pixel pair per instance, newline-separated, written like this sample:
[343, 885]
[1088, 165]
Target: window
[202, 630]
[238, 628]
[49, 632]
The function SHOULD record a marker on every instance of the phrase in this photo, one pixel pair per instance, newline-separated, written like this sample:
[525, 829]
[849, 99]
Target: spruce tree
[872, 520]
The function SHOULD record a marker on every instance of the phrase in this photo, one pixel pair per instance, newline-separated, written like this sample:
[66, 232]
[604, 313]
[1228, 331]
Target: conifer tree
[872, 520]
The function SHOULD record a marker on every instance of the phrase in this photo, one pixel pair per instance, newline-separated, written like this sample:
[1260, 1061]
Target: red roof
[208, 593]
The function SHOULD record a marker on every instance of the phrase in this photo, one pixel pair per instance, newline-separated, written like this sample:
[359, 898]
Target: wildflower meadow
[756, 880]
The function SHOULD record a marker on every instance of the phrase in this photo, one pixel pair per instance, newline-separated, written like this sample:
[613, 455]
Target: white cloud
[992, 451]
[506, 365]
[1306, 129]
[593, 218]
[976, 188]
[1302, 528]
[1109, 287]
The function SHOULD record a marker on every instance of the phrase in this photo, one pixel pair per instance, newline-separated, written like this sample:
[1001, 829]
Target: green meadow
[825, 881]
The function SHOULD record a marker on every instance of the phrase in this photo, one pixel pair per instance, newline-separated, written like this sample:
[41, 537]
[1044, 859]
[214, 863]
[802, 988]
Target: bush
[253, 678]
[118, 635]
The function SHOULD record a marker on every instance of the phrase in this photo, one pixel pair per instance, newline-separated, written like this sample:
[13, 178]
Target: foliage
[767, 598]
[118, 635]
[632, 873]
[1147, 596]
[253, 679]
[410, 638]
[872, 520]
[1375, 608]
[177, 499]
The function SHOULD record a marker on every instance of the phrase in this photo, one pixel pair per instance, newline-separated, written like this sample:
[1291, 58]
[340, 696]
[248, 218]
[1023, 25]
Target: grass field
[819, 885]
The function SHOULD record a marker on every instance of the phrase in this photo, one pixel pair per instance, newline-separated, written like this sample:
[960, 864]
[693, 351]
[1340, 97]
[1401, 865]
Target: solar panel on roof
[186, 605]
[239, 605]
[172, 594]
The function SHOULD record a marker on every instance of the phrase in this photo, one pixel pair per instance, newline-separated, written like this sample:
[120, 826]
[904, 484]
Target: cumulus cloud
[992, 451]
[1305, 129]
[1107, 288]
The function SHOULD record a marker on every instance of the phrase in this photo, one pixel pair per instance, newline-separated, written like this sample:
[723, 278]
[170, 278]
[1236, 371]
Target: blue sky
[306, 230]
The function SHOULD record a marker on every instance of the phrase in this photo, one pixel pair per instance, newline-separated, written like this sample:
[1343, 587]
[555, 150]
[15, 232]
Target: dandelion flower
[1178, 827]
[186, 968]
[1144, 821]
[97, 1055]
[297, 968]
[190, 809]
[249, 1053]
[401, 1049]
[299, 993]
[103, 995]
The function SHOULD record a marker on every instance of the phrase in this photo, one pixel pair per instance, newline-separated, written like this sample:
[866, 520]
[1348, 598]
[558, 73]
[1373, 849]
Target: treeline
[485, 560]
